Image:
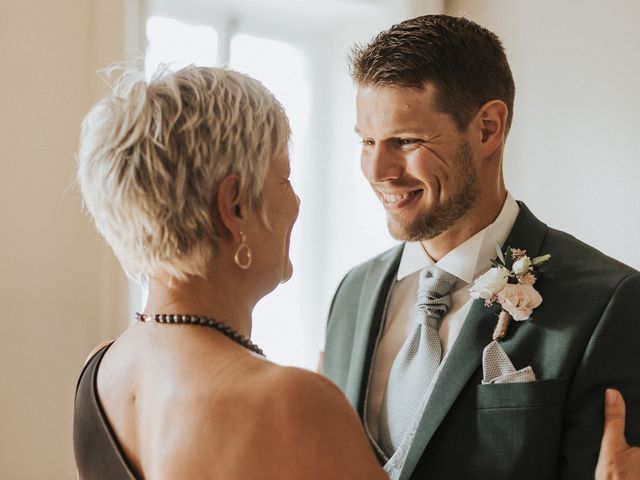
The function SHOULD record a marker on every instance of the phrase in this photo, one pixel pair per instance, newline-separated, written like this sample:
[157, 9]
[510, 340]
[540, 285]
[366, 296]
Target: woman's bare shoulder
[278, 422]
[96, 349]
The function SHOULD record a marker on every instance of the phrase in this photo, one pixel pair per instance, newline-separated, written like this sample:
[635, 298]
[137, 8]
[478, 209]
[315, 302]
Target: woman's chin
[287, 272]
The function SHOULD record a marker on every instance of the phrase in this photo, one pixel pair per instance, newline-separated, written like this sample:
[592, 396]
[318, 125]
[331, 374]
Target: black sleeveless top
[98, 454]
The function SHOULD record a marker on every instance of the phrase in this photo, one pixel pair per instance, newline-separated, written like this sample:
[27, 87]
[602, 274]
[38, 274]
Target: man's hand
[617, 461]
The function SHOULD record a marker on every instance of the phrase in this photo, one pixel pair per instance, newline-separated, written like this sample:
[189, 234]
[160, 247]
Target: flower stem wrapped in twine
[504, 319]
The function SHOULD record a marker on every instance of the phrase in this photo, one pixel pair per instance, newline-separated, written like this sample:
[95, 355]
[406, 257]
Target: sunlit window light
[278, 325]
[178, 44]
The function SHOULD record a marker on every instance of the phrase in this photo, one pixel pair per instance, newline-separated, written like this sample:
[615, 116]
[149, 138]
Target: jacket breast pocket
[519, 426]
[540, 393]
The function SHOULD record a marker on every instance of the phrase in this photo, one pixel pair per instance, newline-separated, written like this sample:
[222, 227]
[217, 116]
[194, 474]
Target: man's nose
[381, 165]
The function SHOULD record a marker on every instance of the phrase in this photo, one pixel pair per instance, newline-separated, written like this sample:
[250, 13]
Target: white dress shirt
[467, 262]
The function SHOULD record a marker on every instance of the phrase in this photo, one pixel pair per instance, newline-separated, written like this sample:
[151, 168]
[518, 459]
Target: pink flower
[519, 300]
[527, 279]
[517, 253]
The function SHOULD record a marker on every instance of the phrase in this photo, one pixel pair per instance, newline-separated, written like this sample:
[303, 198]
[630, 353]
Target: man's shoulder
[572, 253]
[566, 250]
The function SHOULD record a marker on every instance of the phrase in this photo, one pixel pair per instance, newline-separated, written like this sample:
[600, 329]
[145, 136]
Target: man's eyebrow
[405, 131]
[413, 131]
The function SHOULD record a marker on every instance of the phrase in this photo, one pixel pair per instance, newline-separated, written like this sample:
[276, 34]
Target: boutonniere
[510, 283]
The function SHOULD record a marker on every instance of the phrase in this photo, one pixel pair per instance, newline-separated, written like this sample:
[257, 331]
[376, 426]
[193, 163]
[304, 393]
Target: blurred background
[573, 155]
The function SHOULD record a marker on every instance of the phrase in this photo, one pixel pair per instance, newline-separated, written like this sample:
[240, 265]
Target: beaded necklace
[205, 322]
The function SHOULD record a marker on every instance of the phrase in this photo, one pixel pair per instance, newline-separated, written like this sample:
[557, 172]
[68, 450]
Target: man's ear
[231, 208]
[490, 123]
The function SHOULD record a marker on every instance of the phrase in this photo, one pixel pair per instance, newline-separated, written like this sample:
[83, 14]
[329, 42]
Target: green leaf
[496, 263]
[509, 263]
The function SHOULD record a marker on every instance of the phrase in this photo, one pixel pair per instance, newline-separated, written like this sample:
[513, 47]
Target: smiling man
[407, 343]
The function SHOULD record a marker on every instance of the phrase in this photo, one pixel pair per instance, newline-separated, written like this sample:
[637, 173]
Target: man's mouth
[394, 200]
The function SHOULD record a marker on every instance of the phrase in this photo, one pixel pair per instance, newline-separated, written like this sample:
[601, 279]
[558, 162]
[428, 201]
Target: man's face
[418, 163]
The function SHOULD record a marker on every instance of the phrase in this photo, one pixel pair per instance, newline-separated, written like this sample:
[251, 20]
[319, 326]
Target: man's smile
[399, 199]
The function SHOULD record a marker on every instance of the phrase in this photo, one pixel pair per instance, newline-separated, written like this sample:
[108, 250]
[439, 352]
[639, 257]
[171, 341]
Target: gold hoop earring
[243, 247]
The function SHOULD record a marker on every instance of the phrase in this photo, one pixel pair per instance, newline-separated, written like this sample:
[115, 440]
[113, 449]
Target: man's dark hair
[464, 61]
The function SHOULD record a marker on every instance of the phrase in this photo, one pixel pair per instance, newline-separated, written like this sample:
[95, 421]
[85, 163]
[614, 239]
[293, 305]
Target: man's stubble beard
[442, 216]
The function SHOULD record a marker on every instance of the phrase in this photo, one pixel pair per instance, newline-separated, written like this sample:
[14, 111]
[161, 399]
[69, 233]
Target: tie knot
[434, 279]
[433, 294]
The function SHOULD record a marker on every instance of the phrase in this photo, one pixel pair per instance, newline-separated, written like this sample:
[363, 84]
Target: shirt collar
[472, 256]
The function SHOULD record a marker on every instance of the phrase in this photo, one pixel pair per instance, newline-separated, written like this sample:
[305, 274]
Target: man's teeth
[396, 197]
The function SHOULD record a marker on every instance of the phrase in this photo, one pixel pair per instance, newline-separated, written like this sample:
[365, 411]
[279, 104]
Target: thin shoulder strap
[97, 451]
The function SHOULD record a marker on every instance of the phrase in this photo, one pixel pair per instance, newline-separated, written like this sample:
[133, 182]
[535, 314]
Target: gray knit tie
[417, 361]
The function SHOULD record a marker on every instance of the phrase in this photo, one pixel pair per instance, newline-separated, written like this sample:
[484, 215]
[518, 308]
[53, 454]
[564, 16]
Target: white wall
[60, 290]
[574, 151]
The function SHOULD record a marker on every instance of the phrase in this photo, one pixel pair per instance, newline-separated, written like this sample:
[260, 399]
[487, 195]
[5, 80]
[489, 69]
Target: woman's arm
[617, 461]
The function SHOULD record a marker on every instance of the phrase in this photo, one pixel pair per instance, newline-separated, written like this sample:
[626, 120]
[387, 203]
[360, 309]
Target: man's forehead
[428, 89]
[394, 102]
[395, 99]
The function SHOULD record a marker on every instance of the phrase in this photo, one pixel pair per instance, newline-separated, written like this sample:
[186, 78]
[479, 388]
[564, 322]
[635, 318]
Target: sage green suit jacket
[584, 338]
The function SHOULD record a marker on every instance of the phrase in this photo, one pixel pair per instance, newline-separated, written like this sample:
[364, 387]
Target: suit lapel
[370, 306]
[466, 354]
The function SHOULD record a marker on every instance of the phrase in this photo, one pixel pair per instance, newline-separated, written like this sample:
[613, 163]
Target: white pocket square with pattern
[497, 368]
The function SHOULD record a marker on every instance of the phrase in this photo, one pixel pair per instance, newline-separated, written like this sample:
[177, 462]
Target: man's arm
[611, 359]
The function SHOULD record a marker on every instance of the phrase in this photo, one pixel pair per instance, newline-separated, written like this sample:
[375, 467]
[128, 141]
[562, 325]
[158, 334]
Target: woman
[617, 460]
[187, 179]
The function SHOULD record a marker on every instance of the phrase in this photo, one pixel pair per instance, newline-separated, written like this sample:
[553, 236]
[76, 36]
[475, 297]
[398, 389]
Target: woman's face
[281, 205]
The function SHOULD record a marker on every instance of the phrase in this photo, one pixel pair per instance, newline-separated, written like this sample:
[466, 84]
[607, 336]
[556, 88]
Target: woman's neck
[217, 298]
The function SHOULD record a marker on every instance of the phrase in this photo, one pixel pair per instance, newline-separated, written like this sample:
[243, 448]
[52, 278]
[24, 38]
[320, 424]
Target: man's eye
[366, 142]
[406, 141]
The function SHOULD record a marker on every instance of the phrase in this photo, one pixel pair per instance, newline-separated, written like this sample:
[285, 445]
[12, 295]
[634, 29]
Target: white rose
[521, 266]
[519, 300]
[489, 284]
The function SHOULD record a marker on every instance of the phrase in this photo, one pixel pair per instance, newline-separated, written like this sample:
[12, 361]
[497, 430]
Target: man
[434, 107]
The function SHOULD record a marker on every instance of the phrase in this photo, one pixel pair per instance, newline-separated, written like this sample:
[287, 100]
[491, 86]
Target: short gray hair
[152, 155]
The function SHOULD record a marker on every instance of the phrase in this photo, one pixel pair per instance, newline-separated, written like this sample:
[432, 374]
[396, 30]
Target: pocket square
[497, 368]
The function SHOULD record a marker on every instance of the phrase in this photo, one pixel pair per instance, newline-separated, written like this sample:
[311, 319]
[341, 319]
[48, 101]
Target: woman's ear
[490, 123]
[231, 208]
